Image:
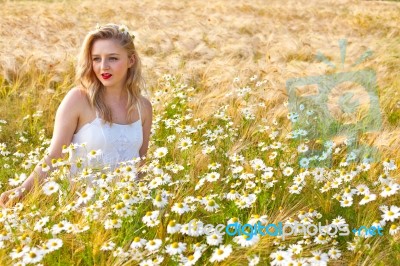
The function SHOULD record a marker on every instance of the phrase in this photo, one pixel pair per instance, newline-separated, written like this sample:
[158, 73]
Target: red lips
[106, 75]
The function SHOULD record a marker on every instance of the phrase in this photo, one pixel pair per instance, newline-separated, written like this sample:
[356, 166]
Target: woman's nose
[104, 64]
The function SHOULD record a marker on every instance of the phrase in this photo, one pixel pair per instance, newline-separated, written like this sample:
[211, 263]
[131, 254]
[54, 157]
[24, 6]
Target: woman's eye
[111, 58]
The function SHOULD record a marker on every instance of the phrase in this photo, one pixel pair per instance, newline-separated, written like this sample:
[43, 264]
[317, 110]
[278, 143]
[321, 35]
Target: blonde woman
[105, 110]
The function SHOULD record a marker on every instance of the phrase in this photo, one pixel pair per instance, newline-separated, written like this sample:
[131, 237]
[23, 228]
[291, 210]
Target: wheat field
[225, 143]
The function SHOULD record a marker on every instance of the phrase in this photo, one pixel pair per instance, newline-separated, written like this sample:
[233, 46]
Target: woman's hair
[86, 79]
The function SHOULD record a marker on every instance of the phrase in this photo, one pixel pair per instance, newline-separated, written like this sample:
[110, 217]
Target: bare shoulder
[147, 107]
[145, 102]
[76, 98]
[77, 94]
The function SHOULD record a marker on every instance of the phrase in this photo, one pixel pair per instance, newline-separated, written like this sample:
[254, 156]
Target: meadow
[230, 141]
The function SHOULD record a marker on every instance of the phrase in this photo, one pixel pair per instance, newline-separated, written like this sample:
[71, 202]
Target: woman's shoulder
[144, 101]
[146, 107]
[146, 104]
[76, 97]
[77, 94]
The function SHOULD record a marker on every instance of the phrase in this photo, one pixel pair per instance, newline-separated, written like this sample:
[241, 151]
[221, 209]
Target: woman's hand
[9, 196]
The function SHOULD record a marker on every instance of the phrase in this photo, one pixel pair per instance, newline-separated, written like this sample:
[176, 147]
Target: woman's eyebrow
[108, 54]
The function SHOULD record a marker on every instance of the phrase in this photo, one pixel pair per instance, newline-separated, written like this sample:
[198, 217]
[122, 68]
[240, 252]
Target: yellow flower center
[172, 223]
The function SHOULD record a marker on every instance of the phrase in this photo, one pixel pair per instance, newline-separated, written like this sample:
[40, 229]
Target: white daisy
[295, 189]
[254, 218]
[254, 260]
[94, 154]
[210, 205]
[302, 148]
[257, 164]
[160, 201]
[208, 149]
[334, 253]
[233, 220]
[246, 240]
[394, 229]
[191, 259]
[41, 223]
[213, 176]
[50, 188]
[138, 243]
[109, 245]
[34, 255]
[367, 198]
[18, 179]
[339, 221]
[85, 196]
[214, 166]
[295, 248]
[59, 227]
[173, 227]
[281, 257]
[391, 214]
[160, 152]
[389, 165]
[214, 239]
[180, 208]
[45, 167]
[287, 171]
[171, 138]
[389, 189]
[112, 223]
[193, 228]
[221, 253]
[153, 245]
[150, 216]
[185, 143]
[362, 190]
[54, 244]
[346, 202]
[175, 248]
[19, 252]
[363, 167]
[319, 258]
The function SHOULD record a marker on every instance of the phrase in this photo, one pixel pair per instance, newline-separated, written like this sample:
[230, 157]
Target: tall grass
[202, 47]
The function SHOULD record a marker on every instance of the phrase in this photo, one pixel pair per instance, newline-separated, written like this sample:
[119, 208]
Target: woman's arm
[65, 124]
[147, 115]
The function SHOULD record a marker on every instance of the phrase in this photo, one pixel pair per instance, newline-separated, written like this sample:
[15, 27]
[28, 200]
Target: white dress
[117, 143]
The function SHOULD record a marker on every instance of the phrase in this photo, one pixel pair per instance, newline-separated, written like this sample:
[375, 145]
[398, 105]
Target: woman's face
[110, 63]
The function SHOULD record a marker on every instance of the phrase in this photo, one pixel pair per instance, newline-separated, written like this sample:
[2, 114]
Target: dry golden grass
[209, 43]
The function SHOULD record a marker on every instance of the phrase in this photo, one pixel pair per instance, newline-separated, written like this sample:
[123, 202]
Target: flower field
[230, 141]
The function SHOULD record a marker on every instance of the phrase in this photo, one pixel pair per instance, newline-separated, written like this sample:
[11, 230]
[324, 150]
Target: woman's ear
[132, 60]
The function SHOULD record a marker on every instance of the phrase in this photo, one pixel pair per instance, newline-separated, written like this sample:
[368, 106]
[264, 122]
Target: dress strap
[97, 114]
[138, 107]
